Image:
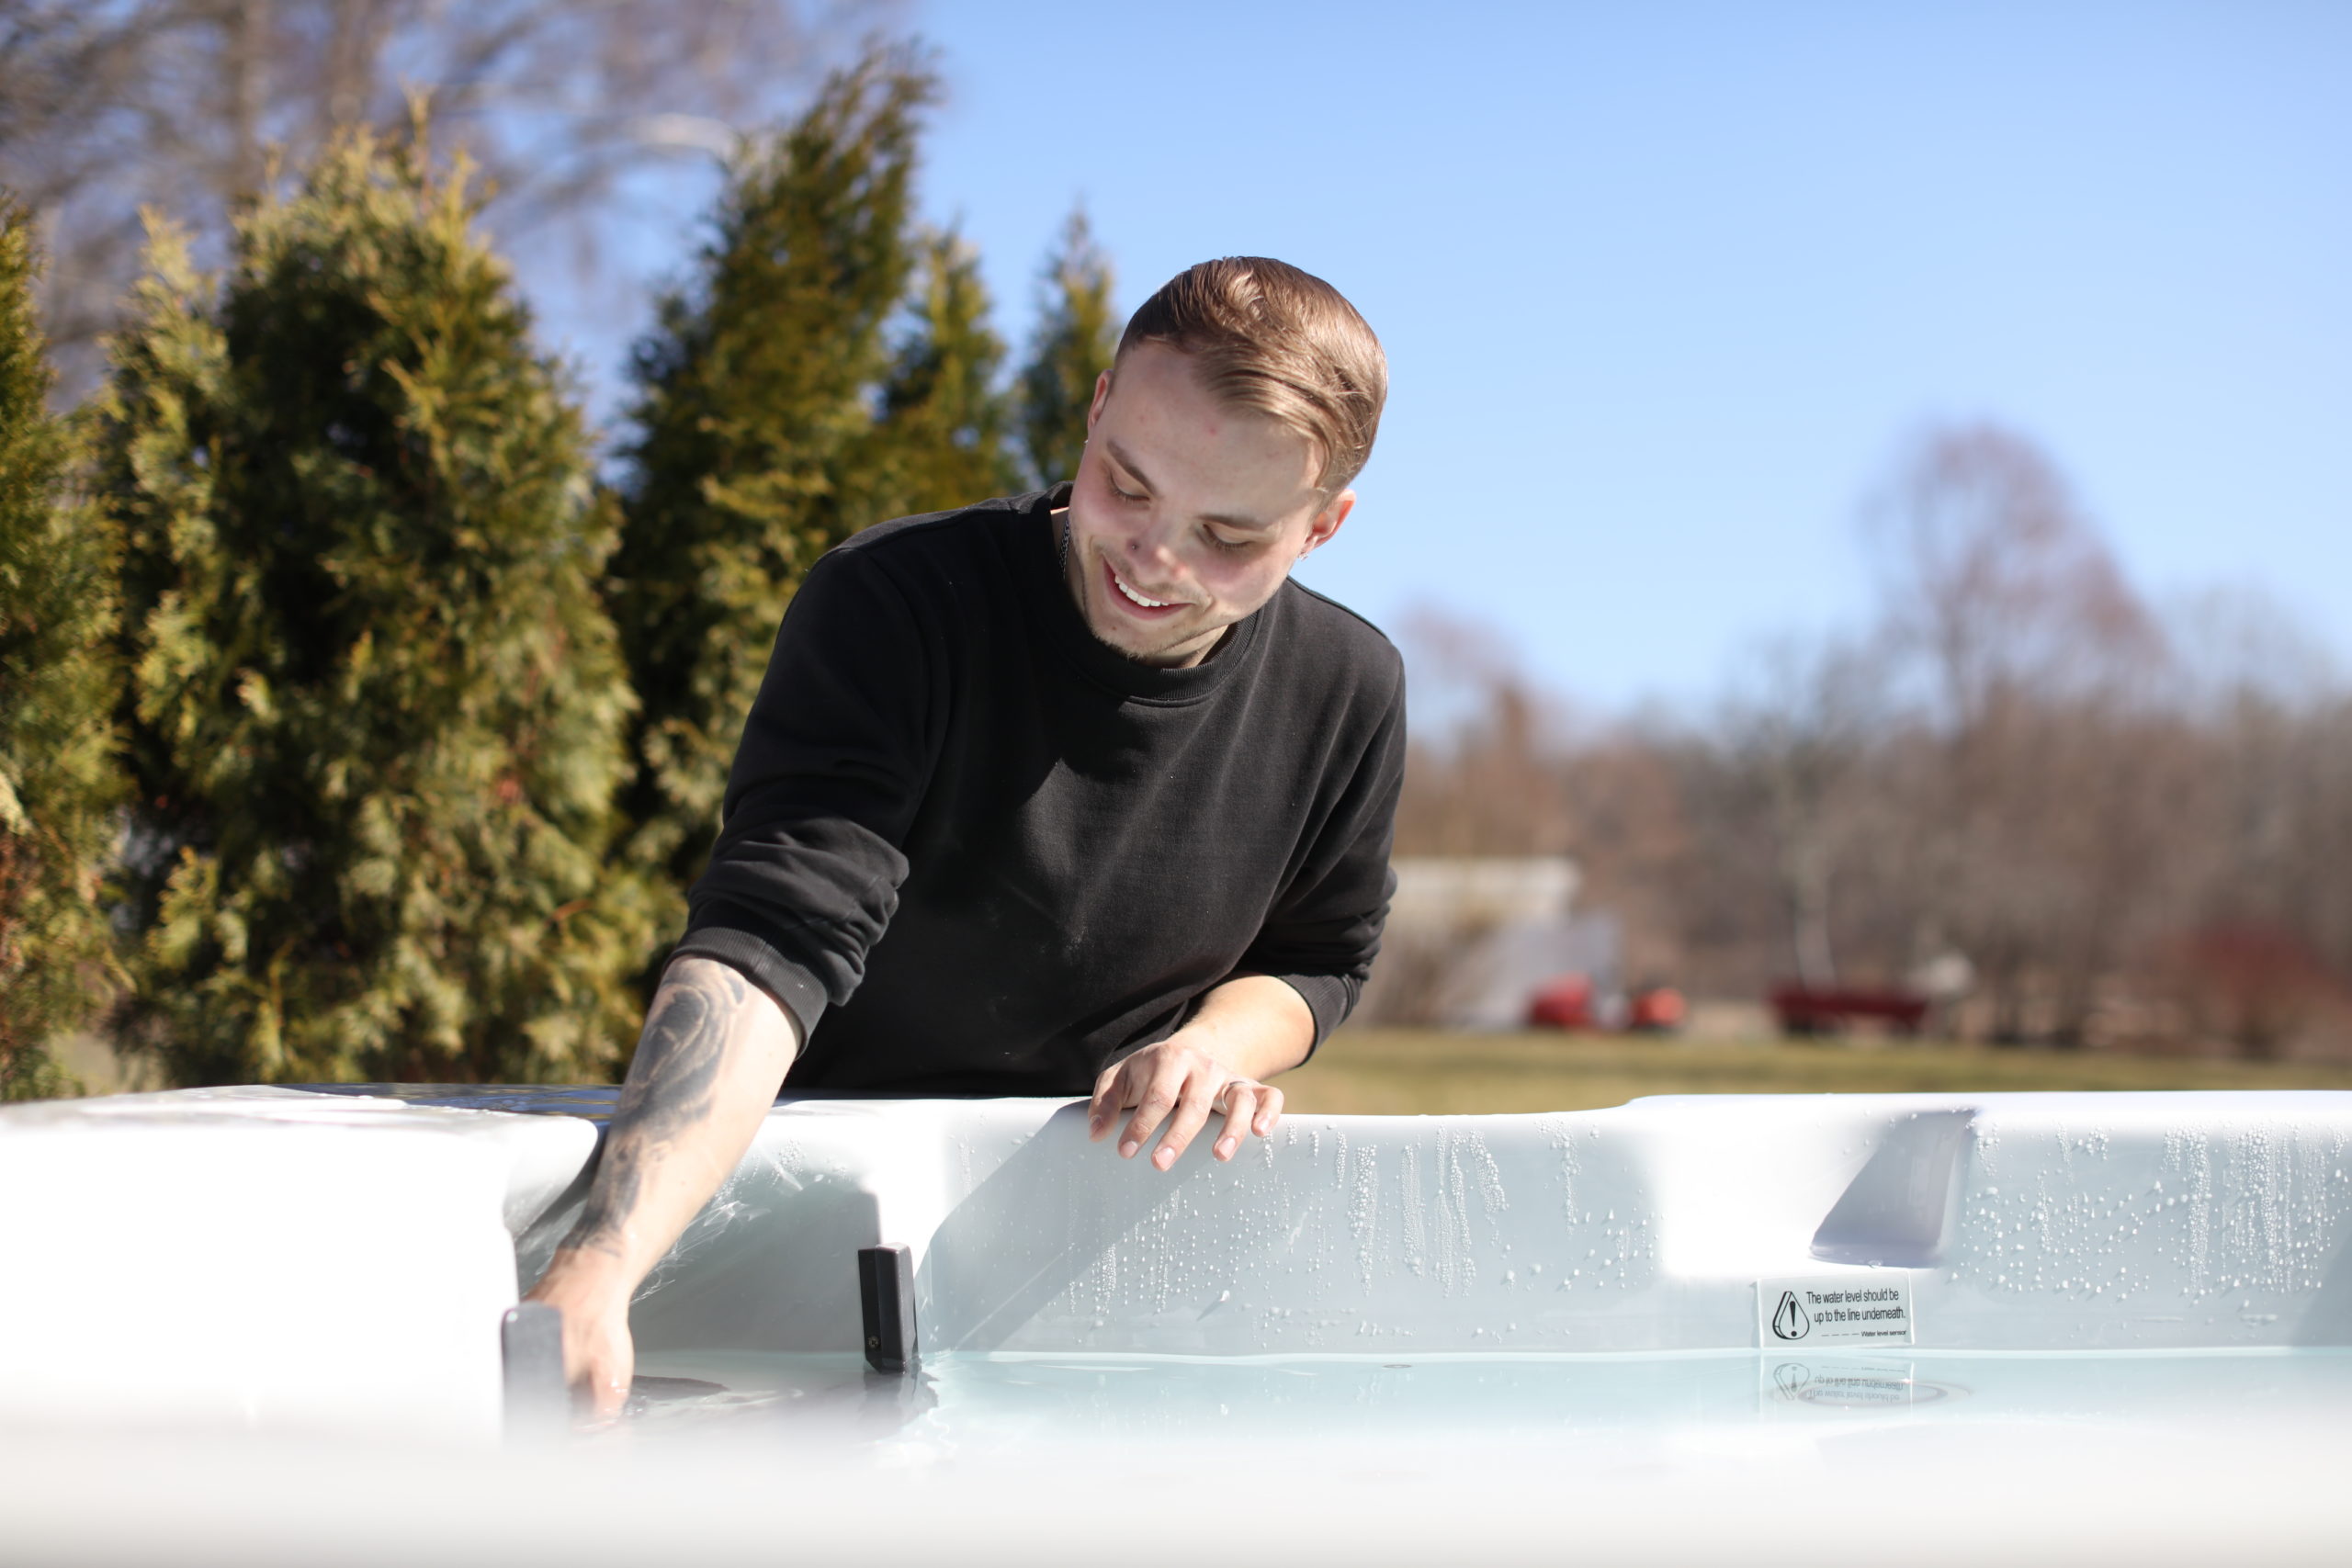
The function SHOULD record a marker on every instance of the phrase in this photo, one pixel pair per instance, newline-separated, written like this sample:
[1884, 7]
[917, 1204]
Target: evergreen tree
[60, 776]
[758, 392]
[1077, 334]
[942, 440]
[376, 709]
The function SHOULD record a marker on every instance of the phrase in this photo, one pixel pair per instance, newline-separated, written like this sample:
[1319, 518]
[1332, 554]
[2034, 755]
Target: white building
[1471, 938]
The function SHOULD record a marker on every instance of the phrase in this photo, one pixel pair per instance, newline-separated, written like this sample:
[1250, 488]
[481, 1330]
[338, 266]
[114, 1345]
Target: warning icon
[1789, 1319]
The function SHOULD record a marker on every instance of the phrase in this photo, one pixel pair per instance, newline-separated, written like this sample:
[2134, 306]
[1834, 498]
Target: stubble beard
[1075, 576]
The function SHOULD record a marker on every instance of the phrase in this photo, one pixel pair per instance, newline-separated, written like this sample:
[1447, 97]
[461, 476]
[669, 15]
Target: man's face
[1186, 516]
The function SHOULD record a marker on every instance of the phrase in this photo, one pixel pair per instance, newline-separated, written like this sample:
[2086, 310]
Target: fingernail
[1163, 1158]
[1225, 1149]
[1127, 1149]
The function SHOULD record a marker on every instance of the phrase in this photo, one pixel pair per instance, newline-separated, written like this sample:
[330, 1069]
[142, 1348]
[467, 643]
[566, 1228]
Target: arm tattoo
[672, 1082]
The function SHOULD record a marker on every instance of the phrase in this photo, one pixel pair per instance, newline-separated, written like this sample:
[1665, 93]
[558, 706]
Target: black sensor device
[885, 1289]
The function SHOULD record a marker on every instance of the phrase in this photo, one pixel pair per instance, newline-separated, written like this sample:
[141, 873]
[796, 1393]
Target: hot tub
[2034, 1327]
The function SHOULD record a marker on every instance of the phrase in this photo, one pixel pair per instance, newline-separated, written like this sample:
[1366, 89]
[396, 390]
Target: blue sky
[1666, 287]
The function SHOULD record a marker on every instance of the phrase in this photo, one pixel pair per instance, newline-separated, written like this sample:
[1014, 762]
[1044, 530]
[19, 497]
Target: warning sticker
[1873, 1307]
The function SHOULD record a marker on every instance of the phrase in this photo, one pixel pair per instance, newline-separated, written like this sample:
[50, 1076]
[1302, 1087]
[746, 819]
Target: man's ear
[1327, 521]
[1102, 392]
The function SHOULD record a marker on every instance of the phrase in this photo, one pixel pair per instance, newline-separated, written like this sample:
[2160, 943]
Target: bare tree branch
[108, 105]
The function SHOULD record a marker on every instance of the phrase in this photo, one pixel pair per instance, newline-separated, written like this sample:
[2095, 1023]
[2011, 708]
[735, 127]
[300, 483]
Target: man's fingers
[602, 1381]
[599, 1363]
[608, 1391]
[1181, 1089]
[1159, 1100]
[1241, 1097]
[1191, 1115]
[1106, 1106]
[1270, 1110]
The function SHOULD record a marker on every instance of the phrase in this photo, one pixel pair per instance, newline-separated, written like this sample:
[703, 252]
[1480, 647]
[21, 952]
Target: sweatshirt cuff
[795, 989]
[1330, 997]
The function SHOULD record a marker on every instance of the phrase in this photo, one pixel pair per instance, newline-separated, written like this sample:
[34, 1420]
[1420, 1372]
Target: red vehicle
[1809, 1010]
[1658, 1010]
[1567, 1002]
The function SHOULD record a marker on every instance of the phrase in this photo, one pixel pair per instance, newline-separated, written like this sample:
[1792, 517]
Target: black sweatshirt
[973, 850]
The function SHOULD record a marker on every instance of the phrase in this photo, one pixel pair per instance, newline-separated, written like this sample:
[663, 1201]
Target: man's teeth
[1147, 603]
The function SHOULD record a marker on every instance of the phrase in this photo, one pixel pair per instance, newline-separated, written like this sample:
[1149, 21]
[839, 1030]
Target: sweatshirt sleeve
[835, 757]
[1323, 932]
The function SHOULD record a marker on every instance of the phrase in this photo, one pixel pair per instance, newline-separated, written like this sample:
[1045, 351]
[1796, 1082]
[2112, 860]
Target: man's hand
[599, 1358]
[1251, 1027]
[1180, 1077]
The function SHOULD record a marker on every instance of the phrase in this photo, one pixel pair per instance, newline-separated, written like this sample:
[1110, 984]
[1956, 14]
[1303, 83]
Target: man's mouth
[1142, 602]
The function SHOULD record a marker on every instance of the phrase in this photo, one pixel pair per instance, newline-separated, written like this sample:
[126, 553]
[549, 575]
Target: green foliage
[60, 781]
[376, 709]
[757, 450]
[1077, 334]
[942, 441]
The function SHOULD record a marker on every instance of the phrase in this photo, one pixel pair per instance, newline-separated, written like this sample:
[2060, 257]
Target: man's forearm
[1255, 1024]
[707, 1067]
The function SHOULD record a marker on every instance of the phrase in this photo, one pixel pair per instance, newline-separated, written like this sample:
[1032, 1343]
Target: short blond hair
[1279, 342]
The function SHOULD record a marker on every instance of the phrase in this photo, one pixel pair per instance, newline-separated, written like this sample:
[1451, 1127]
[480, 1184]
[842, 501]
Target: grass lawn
[1405, 1072]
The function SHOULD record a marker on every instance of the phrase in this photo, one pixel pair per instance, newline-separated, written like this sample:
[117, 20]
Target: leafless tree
[2266, 948]
[1636, 842]
[2033, 663]
[1482, 777]
[1995, 581]
[1482, 774]
[1800, 738]
[110, 106]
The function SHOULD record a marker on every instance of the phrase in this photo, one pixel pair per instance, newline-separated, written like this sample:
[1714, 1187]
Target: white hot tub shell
[260, 1326]
[212, 1256]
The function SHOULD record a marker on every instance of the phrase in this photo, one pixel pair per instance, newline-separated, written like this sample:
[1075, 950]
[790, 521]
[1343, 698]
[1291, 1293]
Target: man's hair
[1279, 342]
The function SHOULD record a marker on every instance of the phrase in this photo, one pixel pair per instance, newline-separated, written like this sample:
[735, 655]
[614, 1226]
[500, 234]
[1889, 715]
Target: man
[1064, 794]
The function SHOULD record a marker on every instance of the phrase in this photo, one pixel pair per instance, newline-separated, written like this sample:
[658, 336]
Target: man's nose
[1152, 546]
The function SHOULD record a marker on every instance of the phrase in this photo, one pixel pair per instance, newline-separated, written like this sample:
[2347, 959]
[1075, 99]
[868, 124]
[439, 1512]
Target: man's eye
[1225, 544]
[1122, 493]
